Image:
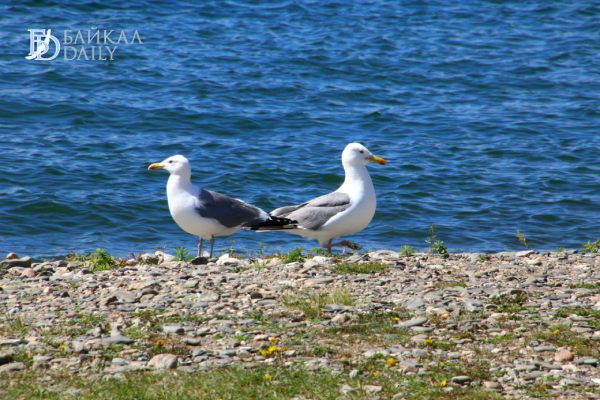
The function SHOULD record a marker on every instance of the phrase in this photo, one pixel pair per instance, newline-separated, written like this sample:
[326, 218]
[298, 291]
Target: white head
[176, 165]
[356, 154]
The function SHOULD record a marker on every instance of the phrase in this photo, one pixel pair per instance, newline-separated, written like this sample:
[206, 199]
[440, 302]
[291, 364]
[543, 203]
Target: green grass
[99, 260]
[269, 383]
[294, 255]
[311, 304]
[374, 328]
[406, 251]
[591, 286]
[360, 268]
[447, 284]
[13, 327]
[561, 335]
[509, 337]
[510, 303]
[183, 254]
[522, 239]
[436, 246]
[591, 247]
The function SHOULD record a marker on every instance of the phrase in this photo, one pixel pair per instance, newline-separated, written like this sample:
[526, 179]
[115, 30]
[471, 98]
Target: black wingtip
[274, 223]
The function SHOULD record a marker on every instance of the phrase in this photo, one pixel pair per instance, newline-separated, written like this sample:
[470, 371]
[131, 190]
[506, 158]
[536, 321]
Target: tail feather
[274, 224]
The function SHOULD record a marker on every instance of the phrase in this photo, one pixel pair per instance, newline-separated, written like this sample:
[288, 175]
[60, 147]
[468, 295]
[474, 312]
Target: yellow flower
[273, 340]
[268, 351]
[267, 377]
[443, 383]
[396, 319]
[390, 361]
[375, 373]
[556, 331]
[427, 341]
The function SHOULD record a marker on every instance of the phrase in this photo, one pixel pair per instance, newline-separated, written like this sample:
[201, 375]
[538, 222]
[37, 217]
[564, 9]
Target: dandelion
[443, 383]
[267, 376]
[266, 352]
[376, 373]
[556, 331]
[390, 361]
[427, 341]
[396, 319]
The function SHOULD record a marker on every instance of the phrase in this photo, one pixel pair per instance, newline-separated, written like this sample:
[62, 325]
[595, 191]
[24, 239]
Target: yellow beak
[378, 160]
[156, 165]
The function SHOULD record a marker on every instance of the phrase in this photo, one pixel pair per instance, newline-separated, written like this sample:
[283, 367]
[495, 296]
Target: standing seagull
[207, 214]
[347, 210]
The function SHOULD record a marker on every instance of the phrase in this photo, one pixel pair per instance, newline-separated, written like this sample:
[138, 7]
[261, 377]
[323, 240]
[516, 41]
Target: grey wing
[228, 211]
[315, 213]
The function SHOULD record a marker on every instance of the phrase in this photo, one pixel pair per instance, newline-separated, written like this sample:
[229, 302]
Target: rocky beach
[512, 325]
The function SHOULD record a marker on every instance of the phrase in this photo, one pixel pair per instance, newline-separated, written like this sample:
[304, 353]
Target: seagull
[207, 214]
[347, 210]
[42, 48]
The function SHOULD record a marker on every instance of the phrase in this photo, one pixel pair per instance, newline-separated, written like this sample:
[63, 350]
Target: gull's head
[357, 154]
[176, 165]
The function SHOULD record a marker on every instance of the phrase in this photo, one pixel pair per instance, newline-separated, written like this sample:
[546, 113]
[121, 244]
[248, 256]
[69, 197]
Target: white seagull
[207, 214]
[347, 210]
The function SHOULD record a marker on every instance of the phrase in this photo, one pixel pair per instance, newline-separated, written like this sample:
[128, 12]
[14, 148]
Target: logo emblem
[39, 44]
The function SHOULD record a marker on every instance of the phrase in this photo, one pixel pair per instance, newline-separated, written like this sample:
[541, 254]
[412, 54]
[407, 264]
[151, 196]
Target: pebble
[13, 366]
[163, 361]
[227, 315]
[411, 322]
[372, 389]
[173, 329]
[460, 379]
[563, 356]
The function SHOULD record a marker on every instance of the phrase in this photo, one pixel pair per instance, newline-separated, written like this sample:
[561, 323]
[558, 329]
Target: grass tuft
[294, 255]
[406, 251]
[591, 247]
[311, 304]
[182, 254]
[360, 268]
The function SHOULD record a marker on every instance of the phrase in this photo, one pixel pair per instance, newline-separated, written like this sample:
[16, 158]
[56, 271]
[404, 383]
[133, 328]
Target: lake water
[488, 113]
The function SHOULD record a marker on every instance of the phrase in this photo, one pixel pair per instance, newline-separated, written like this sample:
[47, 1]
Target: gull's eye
[170, 161]
[362, 152]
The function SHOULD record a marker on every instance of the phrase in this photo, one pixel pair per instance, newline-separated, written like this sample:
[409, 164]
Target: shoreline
[502, 325]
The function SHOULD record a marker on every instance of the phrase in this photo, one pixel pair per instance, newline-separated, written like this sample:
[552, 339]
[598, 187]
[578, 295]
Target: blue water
[487, 111]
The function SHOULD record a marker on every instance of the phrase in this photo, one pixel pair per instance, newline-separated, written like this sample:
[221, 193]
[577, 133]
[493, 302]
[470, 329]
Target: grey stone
[23, 262]
[163, 361]
[173, 329]
[587, 361]
[460, 379]
[13, 366]
[208, 296]
[411, 322]
[119, 339]
[414, 303]
[541, 349]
